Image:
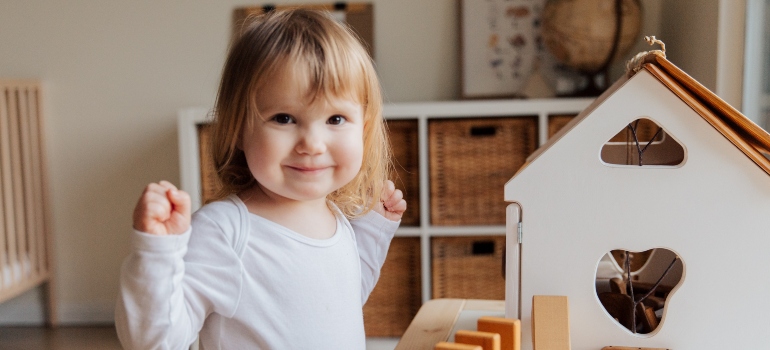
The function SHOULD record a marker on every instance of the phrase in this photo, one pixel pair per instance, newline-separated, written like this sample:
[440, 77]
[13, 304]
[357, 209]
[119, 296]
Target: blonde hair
[337, 65]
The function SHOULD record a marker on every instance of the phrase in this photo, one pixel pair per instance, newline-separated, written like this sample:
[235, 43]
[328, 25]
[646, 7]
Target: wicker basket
[470, 162]
[556, 122]
[468, 267]
[397, 297]
[403, 138]
[209, 181]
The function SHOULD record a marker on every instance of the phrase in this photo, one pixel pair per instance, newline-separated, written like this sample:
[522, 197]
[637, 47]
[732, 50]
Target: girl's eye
[336, 120]
[282, 118]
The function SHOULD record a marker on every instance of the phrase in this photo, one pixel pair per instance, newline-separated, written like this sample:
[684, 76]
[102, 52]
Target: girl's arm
[173, 280]
[374, 231]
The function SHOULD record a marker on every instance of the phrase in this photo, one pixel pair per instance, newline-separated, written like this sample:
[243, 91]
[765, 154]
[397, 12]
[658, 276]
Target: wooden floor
[97, 338]
[62, 338]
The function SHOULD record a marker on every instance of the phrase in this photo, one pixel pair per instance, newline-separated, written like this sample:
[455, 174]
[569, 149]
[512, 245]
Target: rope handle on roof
[635, 64]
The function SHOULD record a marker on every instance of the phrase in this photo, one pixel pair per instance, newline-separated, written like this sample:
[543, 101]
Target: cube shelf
[451, 160]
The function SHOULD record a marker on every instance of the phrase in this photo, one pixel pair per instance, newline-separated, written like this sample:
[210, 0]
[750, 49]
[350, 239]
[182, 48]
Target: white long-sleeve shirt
[243, 282]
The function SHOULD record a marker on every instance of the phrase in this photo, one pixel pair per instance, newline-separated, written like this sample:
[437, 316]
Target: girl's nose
[311, 142]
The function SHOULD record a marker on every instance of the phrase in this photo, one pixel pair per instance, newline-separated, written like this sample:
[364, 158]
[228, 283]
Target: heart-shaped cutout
[635, 287]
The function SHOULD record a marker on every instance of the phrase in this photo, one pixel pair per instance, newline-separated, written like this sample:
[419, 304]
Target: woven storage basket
[470, 162]
[209, 181]
[556, 122]
[468, 267]
[397, 297]
[403, 138]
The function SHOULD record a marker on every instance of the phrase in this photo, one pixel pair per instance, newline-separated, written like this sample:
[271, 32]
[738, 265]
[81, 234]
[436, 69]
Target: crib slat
[3, 168]
[10, 217]
[37, 191]
[27, 241]
[18, 199]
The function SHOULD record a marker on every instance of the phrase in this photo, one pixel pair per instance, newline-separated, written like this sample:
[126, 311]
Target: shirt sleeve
[373, 235]
[170, 284]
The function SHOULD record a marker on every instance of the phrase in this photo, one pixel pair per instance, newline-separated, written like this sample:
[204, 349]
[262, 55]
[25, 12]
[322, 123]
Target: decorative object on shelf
[359, 16]
[588, 35]
[498, 42]
[560, 78]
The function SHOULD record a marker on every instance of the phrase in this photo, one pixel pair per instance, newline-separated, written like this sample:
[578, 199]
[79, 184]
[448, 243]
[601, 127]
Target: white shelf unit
[422, 112]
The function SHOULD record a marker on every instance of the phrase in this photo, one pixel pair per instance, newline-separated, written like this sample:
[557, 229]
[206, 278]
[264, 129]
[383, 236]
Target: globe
[581, 34]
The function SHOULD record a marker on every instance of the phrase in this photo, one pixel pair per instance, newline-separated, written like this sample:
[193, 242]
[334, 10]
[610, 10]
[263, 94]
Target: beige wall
[117, 73]
[690, 35]
[706, 39]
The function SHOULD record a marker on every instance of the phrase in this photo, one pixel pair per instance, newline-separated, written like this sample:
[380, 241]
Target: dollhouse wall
[711, 210]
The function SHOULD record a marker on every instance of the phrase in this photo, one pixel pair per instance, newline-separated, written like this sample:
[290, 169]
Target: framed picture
[499, 46]
[358, 15]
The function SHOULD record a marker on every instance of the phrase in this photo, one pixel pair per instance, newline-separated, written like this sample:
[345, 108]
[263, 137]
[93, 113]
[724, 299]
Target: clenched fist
[162, 210]
[392, 204]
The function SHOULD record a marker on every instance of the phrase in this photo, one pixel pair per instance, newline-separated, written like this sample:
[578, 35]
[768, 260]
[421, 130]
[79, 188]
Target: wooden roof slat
[751, 139]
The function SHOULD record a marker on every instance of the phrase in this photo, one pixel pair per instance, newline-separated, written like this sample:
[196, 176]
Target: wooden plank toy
[456, 346]
[508, 328]
[630, 348]
[550, 322]
[487, 340]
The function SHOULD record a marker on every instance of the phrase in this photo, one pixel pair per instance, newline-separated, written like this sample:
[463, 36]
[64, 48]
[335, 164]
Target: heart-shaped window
[635, 287]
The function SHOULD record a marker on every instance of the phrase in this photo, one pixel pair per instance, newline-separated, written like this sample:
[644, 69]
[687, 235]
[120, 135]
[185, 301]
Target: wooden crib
[25, 240]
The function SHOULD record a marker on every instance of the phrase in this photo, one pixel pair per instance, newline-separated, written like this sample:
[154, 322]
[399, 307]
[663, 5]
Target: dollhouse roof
[747, 136]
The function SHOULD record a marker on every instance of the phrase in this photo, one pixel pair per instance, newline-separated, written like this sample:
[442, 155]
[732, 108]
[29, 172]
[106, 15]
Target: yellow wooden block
[455, 346]
[550, 322]
[487, 340]
[508, 328]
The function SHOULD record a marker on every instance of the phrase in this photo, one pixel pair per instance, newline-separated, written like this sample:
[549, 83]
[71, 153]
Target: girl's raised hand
[162, 210]
[392, 204]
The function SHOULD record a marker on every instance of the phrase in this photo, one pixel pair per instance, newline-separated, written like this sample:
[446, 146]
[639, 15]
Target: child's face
[303, 148]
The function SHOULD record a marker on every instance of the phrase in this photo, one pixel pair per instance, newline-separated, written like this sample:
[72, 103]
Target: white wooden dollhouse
[705, 197]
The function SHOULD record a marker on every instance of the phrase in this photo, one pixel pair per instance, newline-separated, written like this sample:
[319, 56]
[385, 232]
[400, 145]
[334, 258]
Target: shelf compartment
[468, 267]
[210, 184]
[558, 121]
[470, 162]
[396, 299]
[403, 138]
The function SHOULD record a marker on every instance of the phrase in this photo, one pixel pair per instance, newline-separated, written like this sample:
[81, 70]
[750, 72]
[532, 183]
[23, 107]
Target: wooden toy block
[487, 340]
[508, 328]
[550, 322]
[456, 346]
[630, 348]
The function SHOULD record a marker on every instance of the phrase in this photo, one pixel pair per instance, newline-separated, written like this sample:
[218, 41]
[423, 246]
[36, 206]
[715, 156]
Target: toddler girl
[288, 255]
